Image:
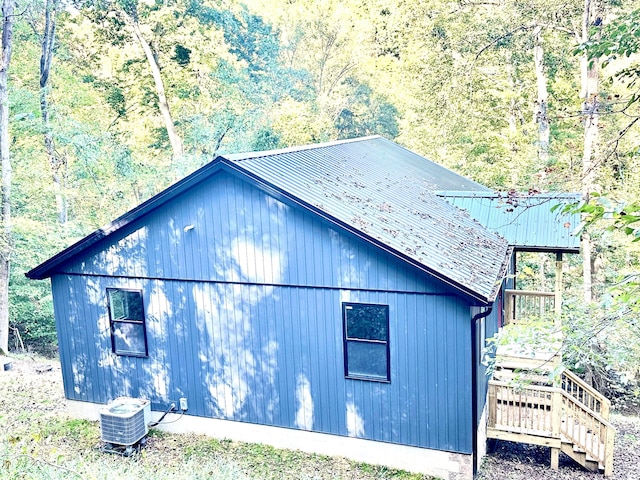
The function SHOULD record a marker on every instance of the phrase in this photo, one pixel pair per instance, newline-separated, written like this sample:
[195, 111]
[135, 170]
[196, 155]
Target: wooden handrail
[541, 388]
[529, 293]
[587, 410]
[586, 394]
[588, 430]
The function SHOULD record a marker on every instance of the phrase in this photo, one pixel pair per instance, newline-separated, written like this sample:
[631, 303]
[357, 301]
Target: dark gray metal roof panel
[385, 192]
[526, 220]
[387, 155]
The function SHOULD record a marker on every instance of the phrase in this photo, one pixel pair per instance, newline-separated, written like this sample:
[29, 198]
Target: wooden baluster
[492, 407]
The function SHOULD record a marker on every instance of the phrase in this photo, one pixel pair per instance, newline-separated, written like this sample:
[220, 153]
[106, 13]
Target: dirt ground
[32, 388]
[514, 461]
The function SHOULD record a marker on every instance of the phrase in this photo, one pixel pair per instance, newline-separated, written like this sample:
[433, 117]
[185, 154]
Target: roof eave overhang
[543, 249]
[47, 268]
[503, 271]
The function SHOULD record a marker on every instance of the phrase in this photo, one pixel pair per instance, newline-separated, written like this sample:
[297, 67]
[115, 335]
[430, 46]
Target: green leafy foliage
[32, 325]
[603, 339]
[618, 215]
[31, 302]
[619, 38]
[602, 344]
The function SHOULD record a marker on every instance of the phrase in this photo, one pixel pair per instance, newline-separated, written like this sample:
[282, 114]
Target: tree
[5, 160]
[542, 101]
[329, 48]
[57, 162]
[131, 17]
[620, 40]
[590, 72]
[115, 15]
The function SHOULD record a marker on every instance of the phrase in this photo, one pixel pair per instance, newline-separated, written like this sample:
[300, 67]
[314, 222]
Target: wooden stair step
[547, 414]
[580, 456]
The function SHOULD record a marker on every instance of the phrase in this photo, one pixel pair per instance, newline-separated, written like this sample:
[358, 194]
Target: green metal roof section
[529, 221]
[385, 194]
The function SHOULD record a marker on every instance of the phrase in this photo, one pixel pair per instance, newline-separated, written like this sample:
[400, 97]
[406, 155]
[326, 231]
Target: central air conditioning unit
[125, 421]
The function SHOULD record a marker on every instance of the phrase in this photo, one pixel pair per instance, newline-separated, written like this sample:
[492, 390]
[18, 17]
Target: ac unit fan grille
[123, 429]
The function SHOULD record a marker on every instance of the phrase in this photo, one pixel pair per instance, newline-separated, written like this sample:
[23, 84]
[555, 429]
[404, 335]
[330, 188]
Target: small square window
[366, 341]
[126, 316]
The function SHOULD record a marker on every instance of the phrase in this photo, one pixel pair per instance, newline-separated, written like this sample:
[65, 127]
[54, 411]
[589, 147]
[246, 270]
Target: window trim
[114, 321]
[346, 339]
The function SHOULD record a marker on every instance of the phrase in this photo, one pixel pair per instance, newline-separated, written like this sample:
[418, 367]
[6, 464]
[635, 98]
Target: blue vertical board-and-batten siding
[242, 297]
[246, 236]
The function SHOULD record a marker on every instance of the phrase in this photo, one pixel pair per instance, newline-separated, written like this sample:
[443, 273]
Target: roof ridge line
[503, 193]
[237, 157]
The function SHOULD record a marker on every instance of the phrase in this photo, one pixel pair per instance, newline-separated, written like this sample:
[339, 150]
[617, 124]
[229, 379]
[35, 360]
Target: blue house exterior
[319, 290]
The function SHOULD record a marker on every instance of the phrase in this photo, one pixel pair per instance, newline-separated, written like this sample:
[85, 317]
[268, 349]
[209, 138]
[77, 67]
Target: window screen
[366, 341]
[126, 314]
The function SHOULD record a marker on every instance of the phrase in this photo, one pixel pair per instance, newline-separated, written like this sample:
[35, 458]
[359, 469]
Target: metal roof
[371, 187]
[391, 157]
[385, 193]
[526, 220]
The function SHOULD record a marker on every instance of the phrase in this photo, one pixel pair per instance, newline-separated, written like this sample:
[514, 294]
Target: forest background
[104, 103]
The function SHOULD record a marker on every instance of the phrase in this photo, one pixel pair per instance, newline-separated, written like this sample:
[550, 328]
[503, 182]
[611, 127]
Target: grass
[38, 440]
[34, 467]
[53, 448]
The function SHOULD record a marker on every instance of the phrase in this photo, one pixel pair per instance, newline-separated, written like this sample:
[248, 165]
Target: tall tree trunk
[163, 104]
[5, 160]
[590, 110]
[541, 116]
[56, 163]
[512, 116]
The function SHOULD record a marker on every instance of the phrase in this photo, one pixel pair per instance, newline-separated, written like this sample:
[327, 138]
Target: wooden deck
[533, 399]
[569, 416]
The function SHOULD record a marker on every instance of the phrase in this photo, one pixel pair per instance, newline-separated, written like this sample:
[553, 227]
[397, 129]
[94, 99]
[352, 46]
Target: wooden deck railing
[521, 305]
[573, 414]
[585, 394]
[588, 431]
[525, 409]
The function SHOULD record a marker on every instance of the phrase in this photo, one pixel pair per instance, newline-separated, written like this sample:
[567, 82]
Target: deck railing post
[605, 405]
[556, 425]
[608, 453]
[509, 307]
[556, 413]
[558, 289]
[541, 306]
[492, 405]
